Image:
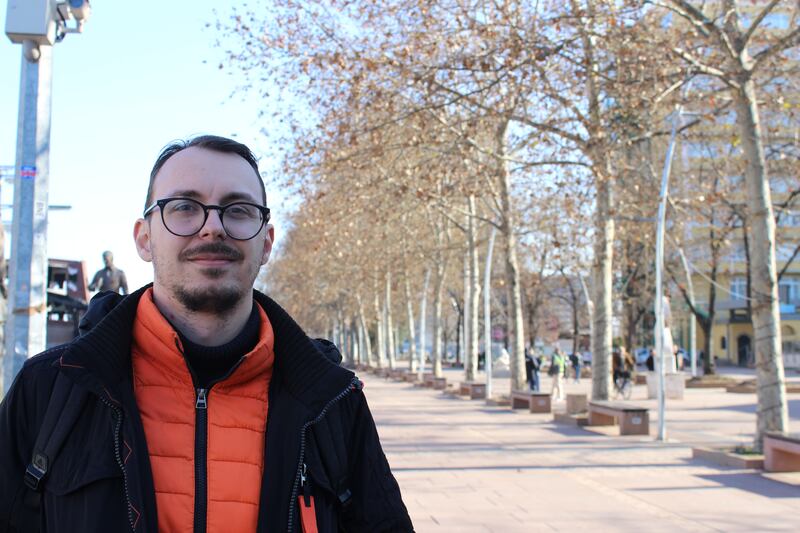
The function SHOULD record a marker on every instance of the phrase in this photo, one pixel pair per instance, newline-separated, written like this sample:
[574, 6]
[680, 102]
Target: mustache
[214, 248]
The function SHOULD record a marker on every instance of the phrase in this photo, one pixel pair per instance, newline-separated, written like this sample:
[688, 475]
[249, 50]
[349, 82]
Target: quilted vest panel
[237, 415]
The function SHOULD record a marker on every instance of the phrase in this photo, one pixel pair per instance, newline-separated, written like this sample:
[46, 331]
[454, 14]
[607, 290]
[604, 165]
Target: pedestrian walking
[575, 359]
[651, 361]
[195, 403]
[557, 366]
[533, 364]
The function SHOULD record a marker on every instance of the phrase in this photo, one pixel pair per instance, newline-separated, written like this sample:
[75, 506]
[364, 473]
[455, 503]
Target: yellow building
[732, 329]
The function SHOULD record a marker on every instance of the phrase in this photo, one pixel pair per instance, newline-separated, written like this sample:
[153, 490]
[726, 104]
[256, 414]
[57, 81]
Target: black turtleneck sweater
[209, 364]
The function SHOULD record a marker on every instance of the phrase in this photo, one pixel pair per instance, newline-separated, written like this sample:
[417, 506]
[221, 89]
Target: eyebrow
[227, 199]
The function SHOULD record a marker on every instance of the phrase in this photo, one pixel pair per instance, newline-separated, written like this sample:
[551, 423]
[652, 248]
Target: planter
[749, 387]
[727, 457]
[710, 382]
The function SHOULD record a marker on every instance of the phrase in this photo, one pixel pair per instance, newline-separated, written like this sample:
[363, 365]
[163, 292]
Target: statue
[109, 278]
[667, 350]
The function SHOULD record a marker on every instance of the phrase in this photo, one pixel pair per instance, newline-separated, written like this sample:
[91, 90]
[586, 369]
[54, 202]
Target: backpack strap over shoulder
[63, 409]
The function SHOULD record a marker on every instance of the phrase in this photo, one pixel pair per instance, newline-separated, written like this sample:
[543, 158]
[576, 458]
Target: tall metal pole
[487, 315]
[692, 320]
[27, 317]
[659, 304]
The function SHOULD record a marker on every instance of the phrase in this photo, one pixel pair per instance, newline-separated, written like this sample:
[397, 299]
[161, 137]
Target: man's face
[207, 272]
[108, 259]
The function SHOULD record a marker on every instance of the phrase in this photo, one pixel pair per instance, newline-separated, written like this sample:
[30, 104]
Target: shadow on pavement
[573, 431]
[750, 408]
[754, 483]
[520, 468]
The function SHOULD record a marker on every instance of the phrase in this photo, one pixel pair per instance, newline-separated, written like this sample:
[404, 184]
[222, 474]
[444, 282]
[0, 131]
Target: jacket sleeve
[20, 414]
[376, 505]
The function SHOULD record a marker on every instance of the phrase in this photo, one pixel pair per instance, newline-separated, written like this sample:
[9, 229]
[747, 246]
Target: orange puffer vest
[236, 421]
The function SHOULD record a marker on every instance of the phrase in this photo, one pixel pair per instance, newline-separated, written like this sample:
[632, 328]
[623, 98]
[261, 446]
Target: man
[557, 367]
[533, 364]
[109, 278]
[198, 403]
[575, 360]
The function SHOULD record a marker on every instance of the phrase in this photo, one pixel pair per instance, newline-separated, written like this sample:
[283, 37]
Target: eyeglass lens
[186, 217]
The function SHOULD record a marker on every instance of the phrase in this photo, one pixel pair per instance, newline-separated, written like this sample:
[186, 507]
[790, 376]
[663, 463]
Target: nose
[213, 227]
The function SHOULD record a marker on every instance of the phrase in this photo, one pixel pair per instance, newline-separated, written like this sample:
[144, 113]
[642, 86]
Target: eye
[241, 211]
[184, 207]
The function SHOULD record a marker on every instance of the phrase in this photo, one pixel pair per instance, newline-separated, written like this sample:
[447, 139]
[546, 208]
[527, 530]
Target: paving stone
[466, 467]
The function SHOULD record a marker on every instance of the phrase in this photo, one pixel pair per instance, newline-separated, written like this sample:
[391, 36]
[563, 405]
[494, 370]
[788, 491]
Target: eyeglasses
[185, 217]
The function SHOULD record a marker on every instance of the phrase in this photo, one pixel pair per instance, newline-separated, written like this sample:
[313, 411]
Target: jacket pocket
[84, 489]
[91, 499]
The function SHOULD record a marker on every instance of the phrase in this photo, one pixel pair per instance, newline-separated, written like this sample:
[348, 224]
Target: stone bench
[632, 420]
[781, 452]
[474, 389]
[535, 402]
[435, 383]
[427, 379]
[398, 374]
[576, 404]
[410, 377]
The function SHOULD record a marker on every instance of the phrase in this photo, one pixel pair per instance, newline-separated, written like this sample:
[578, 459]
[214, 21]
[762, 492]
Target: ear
[268, 244]
[141, 236]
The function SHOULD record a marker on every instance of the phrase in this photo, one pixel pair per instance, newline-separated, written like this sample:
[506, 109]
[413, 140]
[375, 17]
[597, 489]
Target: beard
[218, 300]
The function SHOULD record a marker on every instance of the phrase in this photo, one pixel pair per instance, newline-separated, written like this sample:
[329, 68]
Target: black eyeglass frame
[265, 214]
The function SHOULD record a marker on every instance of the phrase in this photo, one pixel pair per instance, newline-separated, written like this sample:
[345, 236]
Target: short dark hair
[207, 142]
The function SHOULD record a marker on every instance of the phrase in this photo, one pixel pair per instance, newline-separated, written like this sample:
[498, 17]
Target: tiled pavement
[465, 467]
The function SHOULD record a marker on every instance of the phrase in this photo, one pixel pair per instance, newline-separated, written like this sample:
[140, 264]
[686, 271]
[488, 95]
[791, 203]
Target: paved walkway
[465, 467]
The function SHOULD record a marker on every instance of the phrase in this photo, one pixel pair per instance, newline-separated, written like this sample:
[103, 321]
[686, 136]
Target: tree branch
[705, 69]
[787, 41]
[789, 262]
[757, 22]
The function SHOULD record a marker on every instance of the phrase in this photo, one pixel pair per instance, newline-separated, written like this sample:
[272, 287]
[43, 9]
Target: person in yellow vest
[557, 365]
[195, 403]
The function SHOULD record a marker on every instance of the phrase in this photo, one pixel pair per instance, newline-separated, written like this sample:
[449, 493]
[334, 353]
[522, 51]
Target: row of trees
[413, 129]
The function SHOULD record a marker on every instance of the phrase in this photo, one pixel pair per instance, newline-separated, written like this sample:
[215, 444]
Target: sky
[141, 75]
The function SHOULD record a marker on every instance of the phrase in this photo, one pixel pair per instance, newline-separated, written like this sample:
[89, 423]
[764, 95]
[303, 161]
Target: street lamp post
[37, 25]
[659, 301]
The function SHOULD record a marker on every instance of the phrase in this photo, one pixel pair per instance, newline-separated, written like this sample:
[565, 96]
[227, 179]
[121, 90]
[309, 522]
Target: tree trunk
[475, 292]
[412, 333]
[355, 344]
[602, 272]
[470, 363]
[515, 320]
[438, 290]
[379, 340]
[390, 347]
[423, 321]
[772, 414]
[364, 332]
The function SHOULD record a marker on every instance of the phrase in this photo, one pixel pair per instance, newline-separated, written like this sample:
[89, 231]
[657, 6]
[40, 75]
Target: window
[738, 288]
[789, 219]
[789, 291]
[723, 343]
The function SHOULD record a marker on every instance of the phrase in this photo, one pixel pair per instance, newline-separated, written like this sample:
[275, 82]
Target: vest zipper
[300, 476]
[200, 463]
[201, 449]
[118, 456]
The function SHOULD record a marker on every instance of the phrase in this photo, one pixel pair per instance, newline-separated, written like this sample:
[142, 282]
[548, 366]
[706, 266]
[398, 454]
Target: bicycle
[623, 384]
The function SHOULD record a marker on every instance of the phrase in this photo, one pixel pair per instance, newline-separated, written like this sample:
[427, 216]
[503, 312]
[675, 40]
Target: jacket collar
[101, 358]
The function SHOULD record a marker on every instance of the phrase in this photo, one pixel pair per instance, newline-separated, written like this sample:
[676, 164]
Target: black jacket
[101, 479]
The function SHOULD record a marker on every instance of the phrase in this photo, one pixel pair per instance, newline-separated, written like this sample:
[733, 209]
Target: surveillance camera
[80, 9]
